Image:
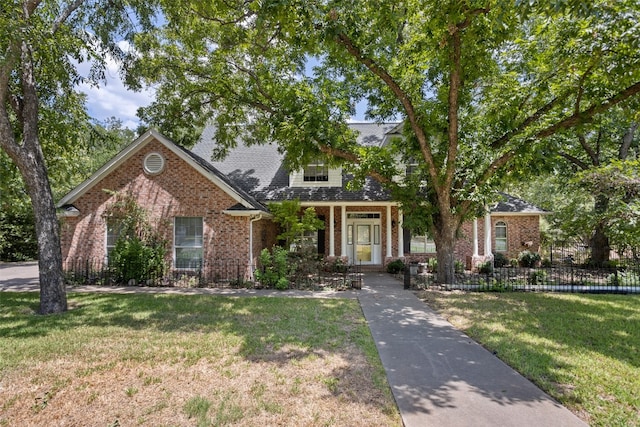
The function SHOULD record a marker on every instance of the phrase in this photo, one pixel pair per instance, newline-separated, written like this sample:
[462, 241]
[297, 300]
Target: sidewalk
[439, 376]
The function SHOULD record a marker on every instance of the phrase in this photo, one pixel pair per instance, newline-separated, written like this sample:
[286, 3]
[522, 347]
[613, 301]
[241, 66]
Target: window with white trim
[114, 230]
[187, 242]
[316, 171]
[501, 237]
[422, 245]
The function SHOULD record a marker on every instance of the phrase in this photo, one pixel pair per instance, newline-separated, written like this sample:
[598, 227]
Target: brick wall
[523, 233]
[179, 190]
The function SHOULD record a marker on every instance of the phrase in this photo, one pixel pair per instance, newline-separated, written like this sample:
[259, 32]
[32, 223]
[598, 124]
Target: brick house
[217, 210]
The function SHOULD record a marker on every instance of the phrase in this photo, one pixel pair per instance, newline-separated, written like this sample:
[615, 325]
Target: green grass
[105, 333]
[584, 350]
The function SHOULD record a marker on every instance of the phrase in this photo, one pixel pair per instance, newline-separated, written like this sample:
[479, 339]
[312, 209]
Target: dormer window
[316, 171]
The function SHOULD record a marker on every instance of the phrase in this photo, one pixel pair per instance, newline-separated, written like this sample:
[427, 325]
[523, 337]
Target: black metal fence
[221, 273]
[569, 278]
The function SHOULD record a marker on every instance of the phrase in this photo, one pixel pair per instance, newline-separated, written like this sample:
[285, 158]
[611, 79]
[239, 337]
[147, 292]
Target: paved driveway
[19, 275]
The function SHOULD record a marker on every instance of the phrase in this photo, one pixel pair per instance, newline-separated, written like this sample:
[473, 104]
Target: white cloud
[111, 98]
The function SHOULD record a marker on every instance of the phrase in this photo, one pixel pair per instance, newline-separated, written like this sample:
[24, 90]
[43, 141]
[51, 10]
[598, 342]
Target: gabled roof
[259, 169]
[375, 134]
[205, 168]
[510, 205]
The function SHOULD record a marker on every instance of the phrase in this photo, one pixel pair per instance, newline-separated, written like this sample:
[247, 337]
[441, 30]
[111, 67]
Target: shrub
[528, 259]
[395, 267]
[628, 278]
[132, 259]
[486, 268]
[275, 267]
[537, 277]
[282, 284]
[432, 265]
[546, 263]
[513, 262]
[500, 260]
[458, 266]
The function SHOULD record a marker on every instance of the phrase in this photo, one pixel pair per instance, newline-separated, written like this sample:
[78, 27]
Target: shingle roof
[259, 169]
[213, 170]
[511, 204]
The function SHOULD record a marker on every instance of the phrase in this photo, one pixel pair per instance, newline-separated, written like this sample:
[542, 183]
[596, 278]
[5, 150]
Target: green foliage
[486, 268]
[17, 235]
[432, 265]
[479, 89]
[528, 259]
[396, 266]
[337, 265]
[293, 225]
[274, 268]
[458, 266]
[134, 259]
[537, 277]
[139, 252]
[500, 260]
[624, 278]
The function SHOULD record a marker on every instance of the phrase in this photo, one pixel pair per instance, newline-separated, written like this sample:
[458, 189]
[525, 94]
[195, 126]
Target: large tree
[40, 108]
[597, 147]
[479, 84]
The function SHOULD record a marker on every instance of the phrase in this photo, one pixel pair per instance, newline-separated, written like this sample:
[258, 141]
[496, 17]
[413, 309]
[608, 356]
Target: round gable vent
[153, 163]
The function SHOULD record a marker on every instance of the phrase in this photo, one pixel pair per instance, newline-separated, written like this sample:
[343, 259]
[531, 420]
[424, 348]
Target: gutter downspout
[251, 221]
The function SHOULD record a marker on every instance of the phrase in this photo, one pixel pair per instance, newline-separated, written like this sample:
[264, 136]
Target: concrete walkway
[438, 375]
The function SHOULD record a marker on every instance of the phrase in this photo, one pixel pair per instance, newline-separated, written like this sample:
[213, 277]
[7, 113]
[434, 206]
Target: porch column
[389, 233]
[400, 235]
[475, 237]
[332, 249]
[487, 234]
[343, 231]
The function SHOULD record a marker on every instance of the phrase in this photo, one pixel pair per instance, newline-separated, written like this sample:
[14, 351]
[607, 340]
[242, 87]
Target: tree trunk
[53, 296]
[445, 240]
[599, 242]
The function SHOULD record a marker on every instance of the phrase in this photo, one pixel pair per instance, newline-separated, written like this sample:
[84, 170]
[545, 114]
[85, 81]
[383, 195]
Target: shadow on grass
[271, 330]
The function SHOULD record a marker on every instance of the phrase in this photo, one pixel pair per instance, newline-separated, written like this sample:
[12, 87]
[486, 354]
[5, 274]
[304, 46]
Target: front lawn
[584, 350]
[190, 360]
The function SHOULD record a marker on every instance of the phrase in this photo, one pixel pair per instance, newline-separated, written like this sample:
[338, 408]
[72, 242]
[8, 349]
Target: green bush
[275, 267]
[528, 259]
[624, 278]
[432, 265]
[395, 267]
[458, 266]
[537, 277]
[17, 236]
[132, 259]
[500, 260]
[486, 268]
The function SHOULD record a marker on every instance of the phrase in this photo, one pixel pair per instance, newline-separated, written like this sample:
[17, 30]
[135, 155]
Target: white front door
[363, 239]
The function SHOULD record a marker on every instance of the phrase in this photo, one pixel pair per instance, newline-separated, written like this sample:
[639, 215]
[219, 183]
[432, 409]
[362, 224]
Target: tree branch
[577, 118]
[61, 19]
[504, 139]
[586, 147]
[400, 94]
[576, 161]
[626, 141]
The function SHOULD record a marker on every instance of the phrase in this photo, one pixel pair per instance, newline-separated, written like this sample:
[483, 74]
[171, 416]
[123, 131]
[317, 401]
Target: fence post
[407, 277]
